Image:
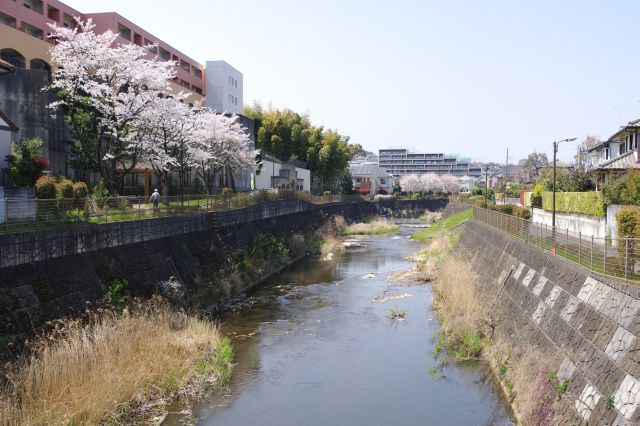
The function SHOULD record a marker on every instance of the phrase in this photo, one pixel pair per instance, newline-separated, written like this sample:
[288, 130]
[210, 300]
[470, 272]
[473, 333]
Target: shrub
[482, 203]
[628, 222]
[624, 190]
[380, 197]
[80, 190]
[326, 193]
[521, 212]
[65, 188]
[227, 191]
[588, 203]
[528, 198]
[537, 190]
[628, 226]
[23, 170]
[46, 187]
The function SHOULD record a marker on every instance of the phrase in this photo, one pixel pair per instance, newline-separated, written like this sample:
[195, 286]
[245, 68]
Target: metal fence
[612, 257]
[19, 214]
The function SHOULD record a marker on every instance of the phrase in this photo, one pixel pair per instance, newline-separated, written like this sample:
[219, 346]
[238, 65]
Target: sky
[473, 78]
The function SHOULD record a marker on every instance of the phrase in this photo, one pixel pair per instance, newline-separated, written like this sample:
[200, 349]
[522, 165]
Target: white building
[224, 88]
[280, 175]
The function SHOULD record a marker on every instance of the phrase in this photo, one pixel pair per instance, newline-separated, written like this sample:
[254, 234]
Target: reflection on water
[316, 350]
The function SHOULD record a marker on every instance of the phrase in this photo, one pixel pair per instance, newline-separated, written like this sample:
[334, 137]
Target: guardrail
[611, 257]
[17, 214]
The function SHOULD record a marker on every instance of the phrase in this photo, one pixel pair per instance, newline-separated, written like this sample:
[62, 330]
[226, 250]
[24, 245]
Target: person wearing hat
[155, 199]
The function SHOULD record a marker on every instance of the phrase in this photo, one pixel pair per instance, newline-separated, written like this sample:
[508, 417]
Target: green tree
[533, 164]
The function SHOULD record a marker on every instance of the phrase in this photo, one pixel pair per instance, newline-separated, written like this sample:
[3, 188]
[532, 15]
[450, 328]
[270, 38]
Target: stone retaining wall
[591, 323]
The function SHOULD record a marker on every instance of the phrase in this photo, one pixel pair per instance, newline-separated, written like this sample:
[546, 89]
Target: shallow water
[322, 352]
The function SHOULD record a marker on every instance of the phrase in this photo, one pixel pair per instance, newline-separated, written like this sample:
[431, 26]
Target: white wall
[5, 147]
[219, 88]
[587, 225]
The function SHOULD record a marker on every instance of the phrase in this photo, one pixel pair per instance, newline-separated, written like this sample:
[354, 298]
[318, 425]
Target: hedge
[527, 198]
[589, 203]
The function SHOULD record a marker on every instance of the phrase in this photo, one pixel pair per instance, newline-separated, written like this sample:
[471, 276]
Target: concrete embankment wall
[590, 323]
[51, 274]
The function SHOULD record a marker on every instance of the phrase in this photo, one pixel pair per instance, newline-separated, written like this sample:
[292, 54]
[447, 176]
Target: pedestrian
[155, 199]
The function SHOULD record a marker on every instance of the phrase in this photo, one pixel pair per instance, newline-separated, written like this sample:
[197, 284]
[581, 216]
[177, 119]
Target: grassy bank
[443, 225]
[110, 369]
[468, 319]
[375, 227]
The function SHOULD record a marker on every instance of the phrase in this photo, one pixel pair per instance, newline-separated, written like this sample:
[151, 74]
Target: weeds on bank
[374, 227]
[106, 370]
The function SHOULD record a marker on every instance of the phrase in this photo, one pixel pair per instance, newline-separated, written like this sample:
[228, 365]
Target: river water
[315, 349]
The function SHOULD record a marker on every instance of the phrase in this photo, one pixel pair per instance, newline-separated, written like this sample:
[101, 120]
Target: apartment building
[401, 161]
[224, 88]
[24, 39]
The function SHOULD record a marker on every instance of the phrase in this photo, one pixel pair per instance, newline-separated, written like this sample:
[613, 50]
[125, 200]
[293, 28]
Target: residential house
[371, 179]
[613, 157]
[276, 174]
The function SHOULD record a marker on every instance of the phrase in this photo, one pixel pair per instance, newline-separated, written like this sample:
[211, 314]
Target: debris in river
[370, 275]
[352, 244]
[397, 315]
[385, 297]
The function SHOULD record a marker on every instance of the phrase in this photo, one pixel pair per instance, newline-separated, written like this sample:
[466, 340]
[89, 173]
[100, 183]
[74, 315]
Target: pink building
[30, 17]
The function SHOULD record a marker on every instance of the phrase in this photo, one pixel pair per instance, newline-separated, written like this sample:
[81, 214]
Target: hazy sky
[468, 77]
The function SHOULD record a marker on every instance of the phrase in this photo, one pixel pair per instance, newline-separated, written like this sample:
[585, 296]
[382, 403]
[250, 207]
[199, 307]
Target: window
[605, 154]
[164, 54]
[150, 46]
[8, 20]
[124, 32]
[383, 181]
[32, 31]
[622, 148]
[197, 72]
[35, 5]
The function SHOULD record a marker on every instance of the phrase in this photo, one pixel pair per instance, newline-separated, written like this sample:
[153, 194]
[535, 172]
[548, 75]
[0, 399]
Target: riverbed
[315, 347]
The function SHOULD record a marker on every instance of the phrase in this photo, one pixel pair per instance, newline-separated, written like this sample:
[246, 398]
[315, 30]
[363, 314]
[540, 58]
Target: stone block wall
[588, 322]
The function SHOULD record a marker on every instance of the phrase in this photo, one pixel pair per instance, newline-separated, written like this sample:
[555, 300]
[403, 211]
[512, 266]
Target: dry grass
[460, 306]
[430, 217]
[102, 370]
[375, 227]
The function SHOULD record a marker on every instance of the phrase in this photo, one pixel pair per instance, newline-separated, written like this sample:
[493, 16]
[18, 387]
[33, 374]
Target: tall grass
[460, 305]
[103, 370]
[375, 227]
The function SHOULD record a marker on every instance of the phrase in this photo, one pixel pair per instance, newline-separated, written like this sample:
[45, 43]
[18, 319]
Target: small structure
[371, 179]
[276, 174]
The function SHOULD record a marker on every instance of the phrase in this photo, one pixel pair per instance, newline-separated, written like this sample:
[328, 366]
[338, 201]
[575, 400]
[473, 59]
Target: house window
[605, 154]
[383, 181]
[623, 148]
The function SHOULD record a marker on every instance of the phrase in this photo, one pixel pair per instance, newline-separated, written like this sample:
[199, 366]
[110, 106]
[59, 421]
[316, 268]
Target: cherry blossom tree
[168, 129]
[221, 145]
[449, 183]
[106, 89]
[411, 183]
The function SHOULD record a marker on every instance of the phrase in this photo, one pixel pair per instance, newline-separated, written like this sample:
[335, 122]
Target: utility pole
[553, 199]
[506, 178]
[486, 187]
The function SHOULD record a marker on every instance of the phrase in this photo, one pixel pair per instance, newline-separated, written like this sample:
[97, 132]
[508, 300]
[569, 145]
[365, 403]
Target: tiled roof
[622, 162]
[364, 170]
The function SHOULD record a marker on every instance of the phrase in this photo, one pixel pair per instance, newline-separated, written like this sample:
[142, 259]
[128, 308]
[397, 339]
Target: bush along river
[319, 345]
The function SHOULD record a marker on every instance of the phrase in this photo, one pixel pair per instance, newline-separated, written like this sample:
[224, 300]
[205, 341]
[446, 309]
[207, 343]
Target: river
[313, 348]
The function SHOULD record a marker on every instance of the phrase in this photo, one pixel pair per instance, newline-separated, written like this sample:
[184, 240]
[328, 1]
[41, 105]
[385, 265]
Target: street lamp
[555, 151]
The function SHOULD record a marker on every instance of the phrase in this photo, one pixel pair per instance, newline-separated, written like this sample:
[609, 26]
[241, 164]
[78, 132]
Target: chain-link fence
[614, 257]
[20, 214]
